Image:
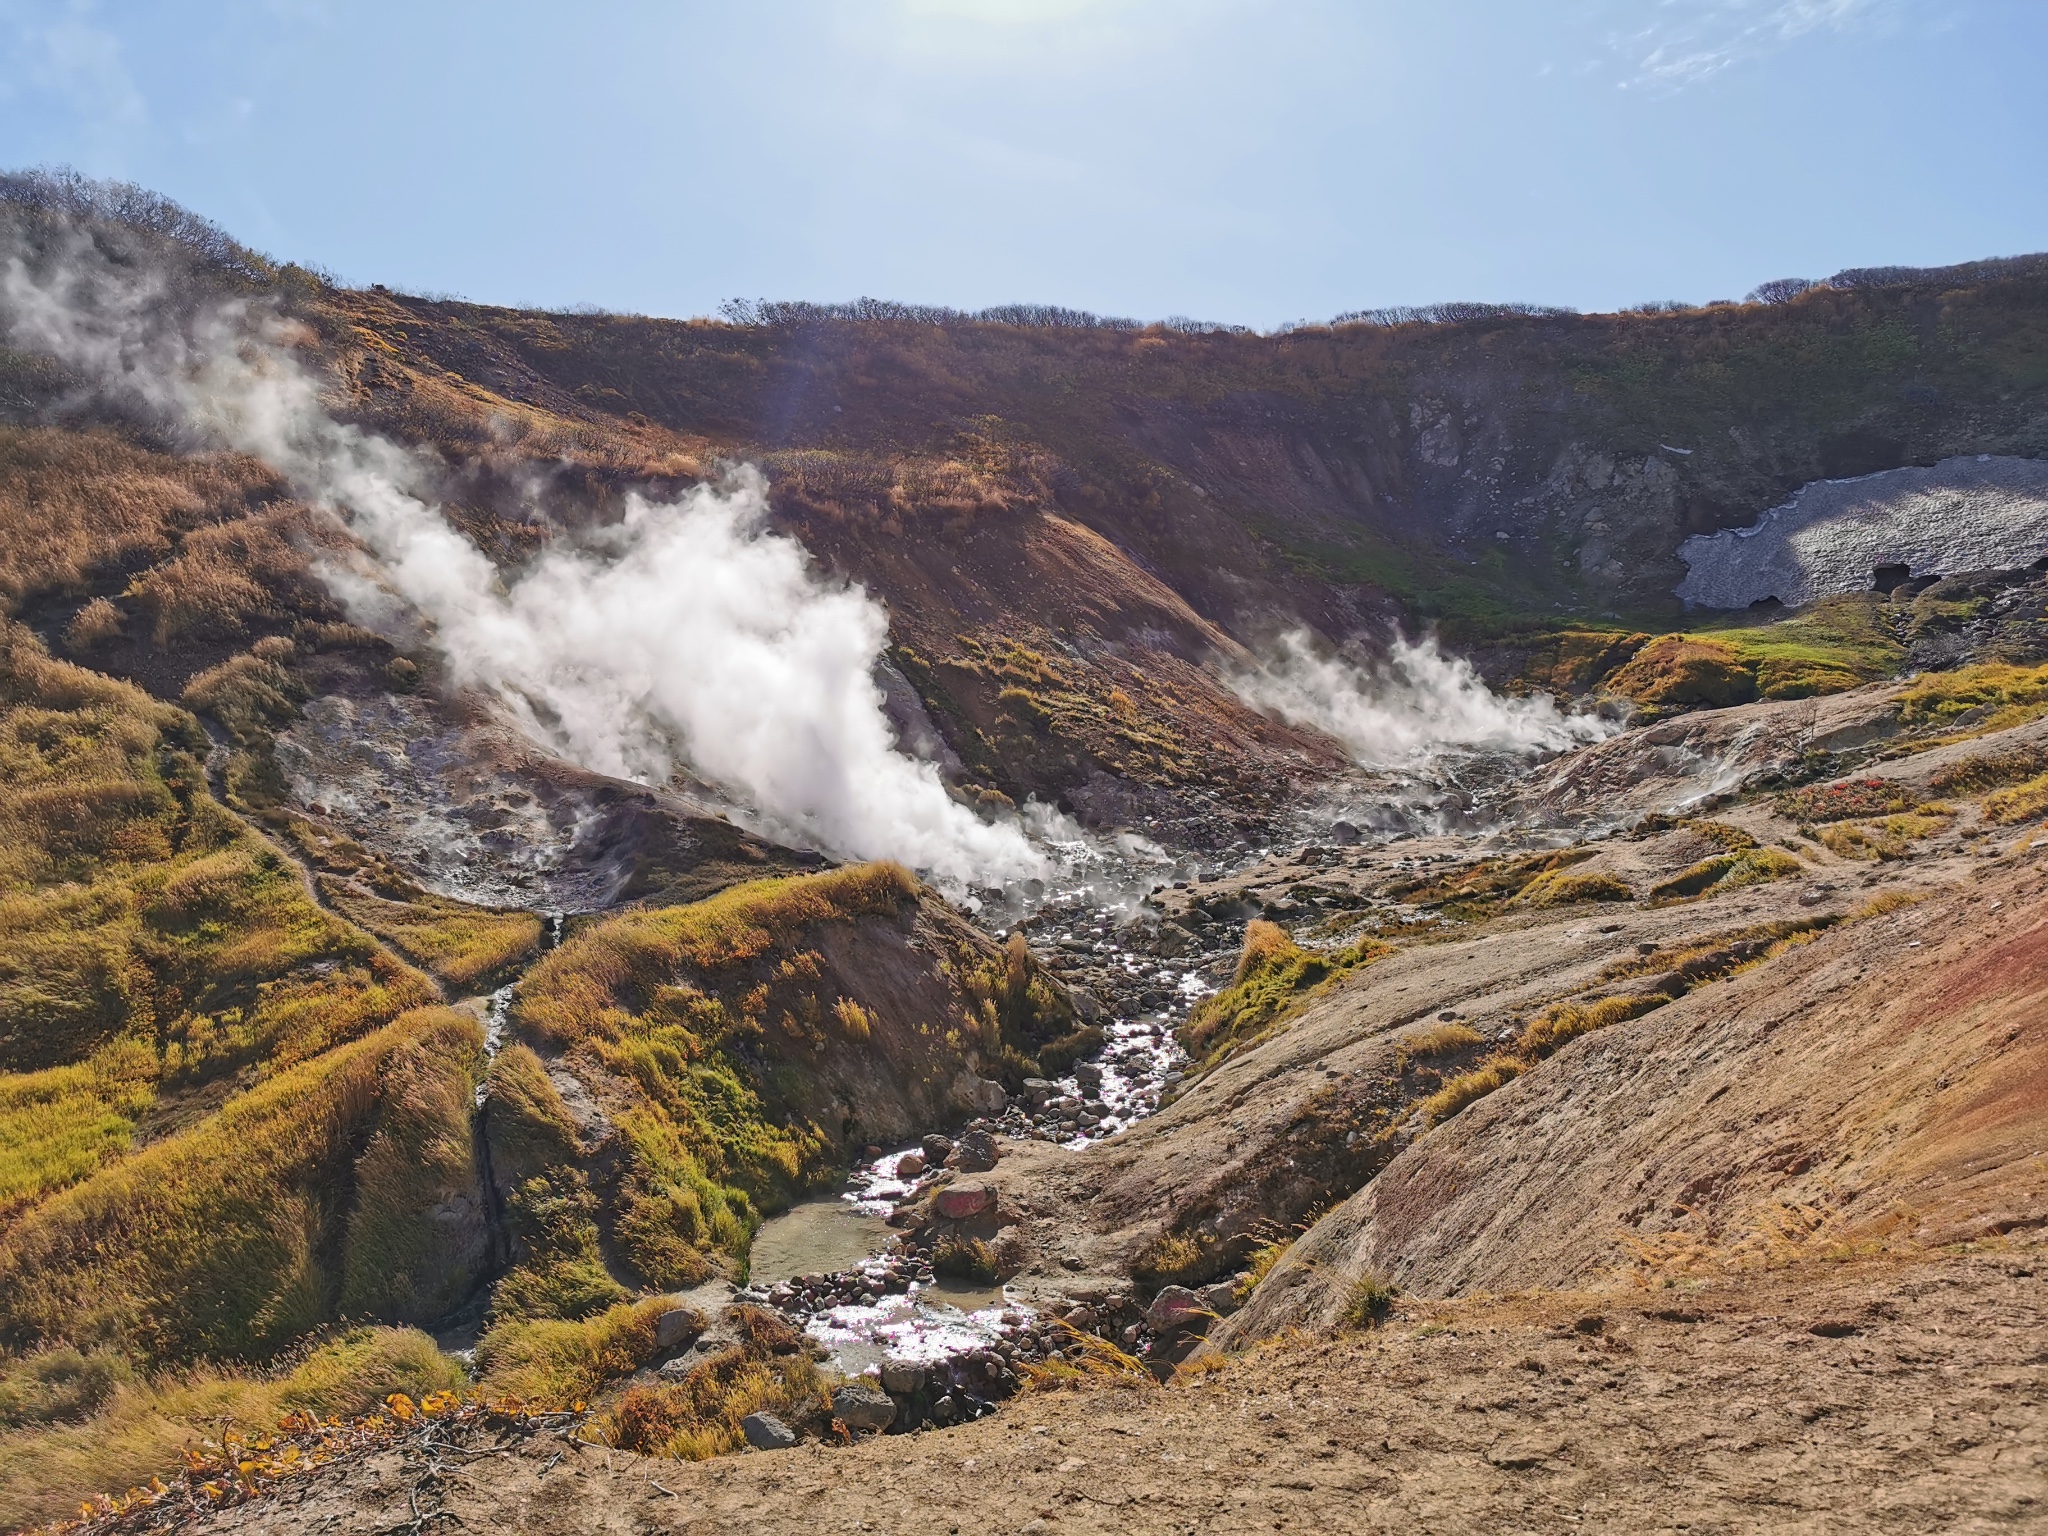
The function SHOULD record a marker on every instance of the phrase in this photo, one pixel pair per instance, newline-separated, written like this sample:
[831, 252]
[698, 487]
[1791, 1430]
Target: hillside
[505, 816]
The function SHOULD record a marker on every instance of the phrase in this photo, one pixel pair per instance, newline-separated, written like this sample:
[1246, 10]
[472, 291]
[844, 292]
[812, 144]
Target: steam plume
[689, 632]
[1415, 706]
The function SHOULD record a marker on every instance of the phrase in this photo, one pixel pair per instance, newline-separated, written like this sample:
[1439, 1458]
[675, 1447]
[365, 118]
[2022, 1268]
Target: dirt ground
[1885, 1397]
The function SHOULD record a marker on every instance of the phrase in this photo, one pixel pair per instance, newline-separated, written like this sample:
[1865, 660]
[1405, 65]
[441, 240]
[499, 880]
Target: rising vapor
[690, 632]
[1413, 707]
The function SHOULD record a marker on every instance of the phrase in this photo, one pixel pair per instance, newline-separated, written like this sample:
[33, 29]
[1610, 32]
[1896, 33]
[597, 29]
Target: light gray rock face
[1963, 514]
[863, 1408]
[765, 1432]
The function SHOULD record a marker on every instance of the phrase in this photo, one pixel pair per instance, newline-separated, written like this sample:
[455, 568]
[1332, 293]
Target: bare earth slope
[1876, 1397]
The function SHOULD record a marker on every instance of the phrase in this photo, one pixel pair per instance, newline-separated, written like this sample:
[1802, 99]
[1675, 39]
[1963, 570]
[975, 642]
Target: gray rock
[863, 1408]
[1220, 1298]
[905, 1376]
[1175, 1307]
[677, 1327]
[765, 1432]
[1344, 835]
[975, 1152]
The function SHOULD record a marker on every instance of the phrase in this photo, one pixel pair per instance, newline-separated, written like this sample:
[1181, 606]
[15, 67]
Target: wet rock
[1175, 1307]
[945, 1410]
[958, 1203]
[863, 1408]
[765, 1432]
[910, 1165]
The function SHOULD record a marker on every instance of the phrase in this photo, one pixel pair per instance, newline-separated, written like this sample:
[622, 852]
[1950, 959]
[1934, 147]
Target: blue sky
[1230, 160]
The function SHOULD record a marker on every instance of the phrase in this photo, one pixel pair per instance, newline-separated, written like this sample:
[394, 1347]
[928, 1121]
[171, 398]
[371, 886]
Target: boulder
[1345, 835]
[1220, 1298]
[975, 1152]
[958, 1203]
[904, 1376]
[1175, 1307]
[677, 1327]
[765, 1432]
[982, 1095]
[910, 1165]
[863, 1408]
[936, 1150]
[1038, 1090]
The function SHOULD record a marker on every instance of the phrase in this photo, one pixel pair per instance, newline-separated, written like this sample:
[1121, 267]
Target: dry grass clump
[1479, 888]
[553, 1360]
[1368, 1303]
[1551, 1030]
[1685, 672]
[966, 1258]
[1562, 888]
[135, 1427]
[1993, 770]
[1849, 800]
[1273, 973]
[1995, 695]
[2022, 802]
[1085, 1361]
[1726, 872]
[1891, 838]
[1716, 956]
[699, 1416]
[262, 1222]
[1437, 1040]
[98, 622]
[73, 503]
[1177, 1258]
[1469, 1087]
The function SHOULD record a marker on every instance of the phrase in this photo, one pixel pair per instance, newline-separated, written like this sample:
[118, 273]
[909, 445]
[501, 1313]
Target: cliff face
[1486, 469]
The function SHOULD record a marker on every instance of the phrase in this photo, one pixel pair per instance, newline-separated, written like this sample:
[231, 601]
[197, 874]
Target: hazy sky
[1224, 159]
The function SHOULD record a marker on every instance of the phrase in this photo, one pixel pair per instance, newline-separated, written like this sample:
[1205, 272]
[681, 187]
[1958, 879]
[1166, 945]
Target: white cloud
[1694, 40]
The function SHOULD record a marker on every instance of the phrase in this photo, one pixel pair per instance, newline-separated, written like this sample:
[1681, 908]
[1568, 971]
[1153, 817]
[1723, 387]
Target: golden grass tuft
[1726, 872]
[140, 1427]
[1995, 695]
[1438, 1040]
[1273, 974]
[552, 1360]
[1561, 888]
[1684, 672]
[2022, 802]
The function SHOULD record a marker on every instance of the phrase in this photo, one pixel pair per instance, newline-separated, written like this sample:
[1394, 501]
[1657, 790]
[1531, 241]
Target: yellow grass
[222, 1241]
[142, 1426]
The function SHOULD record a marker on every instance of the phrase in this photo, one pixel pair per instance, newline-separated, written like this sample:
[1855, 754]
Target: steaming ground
[1411, 710]
[687, 633]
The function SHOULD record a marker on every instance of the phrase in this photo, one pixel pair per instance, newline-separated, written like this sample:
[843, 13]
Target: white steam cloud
[1411, 708]
[689, 632]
